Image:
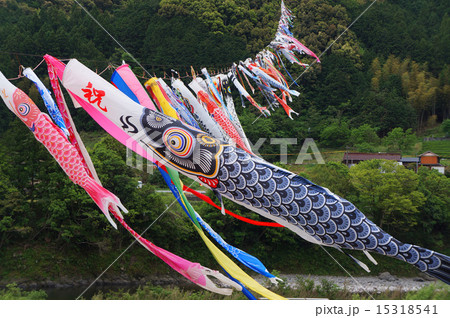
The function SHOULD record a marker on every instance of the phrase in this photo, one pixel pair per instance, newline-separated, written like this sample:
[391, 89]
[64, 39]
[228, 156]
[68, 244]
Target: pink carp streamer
[300, 47]
[73, 134]
[223, 120]
[64, 152]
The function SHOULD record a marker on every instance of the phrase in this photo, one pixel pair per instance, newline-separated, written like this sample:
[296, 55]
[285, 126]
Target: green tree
[446, 127]
[385, 110]
[435, 213]
[334, 176]
[335, 135]
[399, 140]
[364, 137]
[12, 292]
[12, 204]
[388, 193]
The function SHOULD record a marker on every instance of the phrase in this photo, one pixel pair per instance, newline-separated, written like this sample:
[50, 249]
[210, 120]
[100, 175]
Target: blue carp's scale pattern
[324, 217]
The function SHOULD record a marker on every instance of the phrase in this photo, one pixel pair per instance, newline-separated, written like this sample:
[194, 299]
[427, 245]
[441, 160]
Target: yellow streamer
[154, 89]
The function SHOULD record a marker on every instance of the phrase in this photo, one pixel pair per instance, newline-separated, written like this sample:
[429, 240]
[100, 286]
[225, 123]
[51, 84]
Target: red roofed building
[432, 161]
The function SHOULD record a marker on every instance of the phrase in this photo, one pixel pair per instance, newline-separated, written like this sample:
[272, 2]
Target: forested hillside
[388, 75]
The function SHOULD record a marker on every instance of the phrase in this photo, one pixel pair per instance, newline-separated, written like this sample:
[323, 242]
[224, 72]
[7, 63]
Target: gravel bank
[370, 284]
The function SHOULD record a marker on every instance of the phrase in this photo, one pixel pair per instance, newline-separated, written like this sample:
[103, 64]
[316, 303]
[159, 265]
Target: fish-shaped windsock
[174, 183]
[48, 100]
[159, 97]
[271, 94]
[223, 120]
[217, 97]
[228, 98]
[263, 86]
[267, 78]
[59, 147]
[300, 47]
[74, 137]
[178, 105]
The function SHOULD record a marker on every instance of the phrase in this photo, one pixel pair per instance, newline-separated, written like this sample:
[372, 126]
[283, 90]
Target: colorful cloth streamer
[244, 93]
[126, 81]
[48, 100]
[215, 112]
[245, 258]
[195, 272]
[178, 105]
[158, 96]
[226, 89]
[285, 69]
[271, 93]
[270, 80]
[236, 216]
[217, 97]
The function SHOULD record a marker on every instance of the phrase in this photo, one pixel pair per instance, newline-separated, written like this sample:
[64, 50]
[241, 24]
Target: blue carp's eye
[179, 142]
[23, 109]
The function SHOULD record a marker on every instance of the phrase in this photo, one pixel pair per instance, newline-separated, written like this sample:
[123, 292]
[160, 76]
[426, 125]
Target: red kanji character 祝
[94, 96]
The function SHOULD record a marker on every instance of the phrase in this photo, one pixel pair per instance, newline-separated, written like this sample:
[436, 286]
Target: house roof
[428, 154]
[410, 159]
[359, 156]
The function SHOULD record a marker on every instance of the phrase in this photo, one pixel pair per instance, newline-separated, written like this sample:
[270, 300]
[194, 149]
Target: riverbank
[65, 273]
[67, 288]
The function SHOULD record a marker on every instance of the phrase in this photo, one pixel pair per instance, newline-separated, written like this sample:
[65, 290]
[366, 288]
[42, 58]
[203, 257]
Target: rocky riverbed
[370, 284]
